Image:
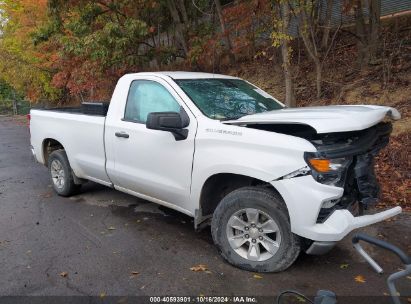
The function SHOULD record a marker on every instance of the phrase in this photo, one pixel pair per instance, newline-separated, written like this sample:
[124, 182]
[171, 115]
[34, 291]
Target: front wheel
[252, 230]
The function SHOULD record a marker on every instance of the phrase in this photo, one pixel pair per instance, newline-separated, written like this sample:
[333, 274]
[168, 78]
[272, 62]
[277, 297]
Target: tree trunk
[182, 7]
[318, 77]
[180, 32]
[306, 32]
[310, 47]
[289, 89]
[361, 31]
[374, 30]
[327, 25]
[223, 29]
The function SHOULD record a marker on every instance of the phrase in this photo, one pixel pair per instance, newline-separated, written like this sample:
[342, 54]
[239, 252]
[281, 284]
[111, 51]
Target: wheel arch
[48, 146]
[219, 185]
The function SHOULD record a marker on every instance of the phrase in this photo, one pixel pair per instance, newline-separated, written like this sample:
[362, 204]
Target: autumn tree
[22, 65]
[307, 14]
[224, 29]
[98, 41]
[281, 38]
[367, 29]
[315, 33]
[244, 21]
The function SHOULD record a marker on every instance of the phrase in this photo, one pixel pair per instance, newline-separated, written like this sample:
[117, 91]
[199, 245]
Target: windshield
[223, 99]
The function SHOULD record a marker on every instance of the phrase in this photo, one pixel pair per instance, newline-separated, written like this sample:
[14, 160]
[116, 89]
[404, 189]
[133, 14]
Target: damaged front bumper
[305, 197]
[342, 222]
[324, 207]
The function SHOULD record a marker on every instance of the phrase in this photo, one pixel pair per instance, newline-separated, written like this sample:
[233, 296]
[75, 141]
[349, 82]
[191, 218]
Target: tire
[59, 166]
[283, 244]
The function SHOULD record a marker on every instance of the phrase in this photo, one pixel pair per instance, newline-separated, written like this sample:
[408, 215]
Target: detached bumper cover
[342, 222]
[304, 198]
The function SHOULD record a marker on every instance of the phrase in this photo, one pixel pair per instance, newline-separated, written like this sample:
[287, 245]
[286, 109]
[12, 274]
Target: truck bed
[80, 134]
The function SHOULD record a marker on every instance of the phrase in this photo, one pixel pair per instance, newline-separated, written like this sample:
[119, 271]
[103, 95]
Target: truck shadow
[135, 209]
[154, 221]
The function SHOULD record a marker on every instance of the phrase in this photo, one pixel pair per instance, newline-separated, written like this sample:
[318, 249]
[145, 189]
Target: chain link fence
[14, 107]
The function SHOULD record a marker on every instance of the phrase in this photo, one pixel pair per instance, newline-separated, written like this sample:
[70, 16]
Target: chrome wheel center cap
[254, 233]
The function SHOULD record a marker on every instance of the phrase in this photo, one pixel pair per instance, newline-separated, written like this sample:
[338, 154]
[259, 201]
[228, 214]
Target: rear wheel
[61, 175]
[252, 231]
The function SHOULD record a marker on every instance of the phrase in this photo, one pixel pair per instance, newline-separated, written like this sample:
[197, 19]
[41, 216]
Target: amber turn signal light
[320, 165]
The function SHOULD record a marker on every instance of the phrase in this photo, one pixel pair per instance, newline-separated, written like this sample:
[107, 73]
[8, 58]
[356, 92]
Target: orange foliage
[242, 20]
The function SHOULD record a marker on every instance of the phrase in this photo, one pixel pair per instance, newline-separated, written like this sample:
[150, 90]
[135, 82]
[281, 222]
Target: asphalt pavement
[102, 242]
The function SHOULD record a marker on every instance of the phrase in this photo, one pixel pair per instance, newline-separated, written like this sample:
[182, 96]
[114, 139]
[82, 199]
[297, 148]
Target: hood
[326, 119]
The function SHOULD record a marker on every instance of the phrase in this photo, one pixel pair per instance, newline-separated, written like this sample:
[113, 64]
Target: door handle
[122, 134]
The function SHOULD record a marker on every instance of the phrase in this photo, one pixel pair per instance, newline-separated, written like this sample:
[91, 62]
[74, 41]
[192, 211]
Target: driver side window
[145, 97]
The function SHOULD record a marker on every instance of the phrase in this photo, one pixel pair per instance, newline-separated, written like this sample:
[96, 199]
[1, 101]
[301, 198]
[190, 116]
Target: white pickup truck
[271, 181]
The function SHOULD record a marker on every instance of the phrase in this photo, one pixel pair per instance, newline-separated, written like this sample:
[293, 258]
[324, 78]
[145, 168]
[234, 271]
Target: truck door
[150, 163]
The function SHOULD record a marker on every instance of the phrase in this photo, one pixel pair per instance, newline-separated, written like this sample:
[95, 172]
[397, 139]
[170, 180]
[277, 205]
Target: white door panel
[153, 163]
[150, 162]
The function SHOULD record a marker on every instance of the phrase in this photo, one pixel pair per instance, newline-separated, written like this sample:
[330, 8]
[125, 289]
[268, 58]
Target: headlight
[330, 171]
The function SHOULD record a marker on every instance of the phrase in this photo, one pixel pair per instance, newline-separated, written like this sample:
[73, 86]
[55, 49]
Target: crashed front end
[338, 184]
[347, 160]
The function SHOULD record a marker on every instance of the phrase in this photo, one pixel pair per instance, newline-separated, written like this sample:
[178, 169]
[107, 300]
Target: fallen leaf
[63, 274]
[258, 277]
[359, 279]
[111, 228]
[135, 273]
[208, 271]
[300, 299]
[344, 266]
[200, 267]
[46, 195]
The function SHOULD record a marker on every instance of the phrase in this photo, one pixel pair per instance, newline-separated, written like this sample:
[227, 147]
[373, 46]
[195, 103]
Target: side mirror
[169, 121]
